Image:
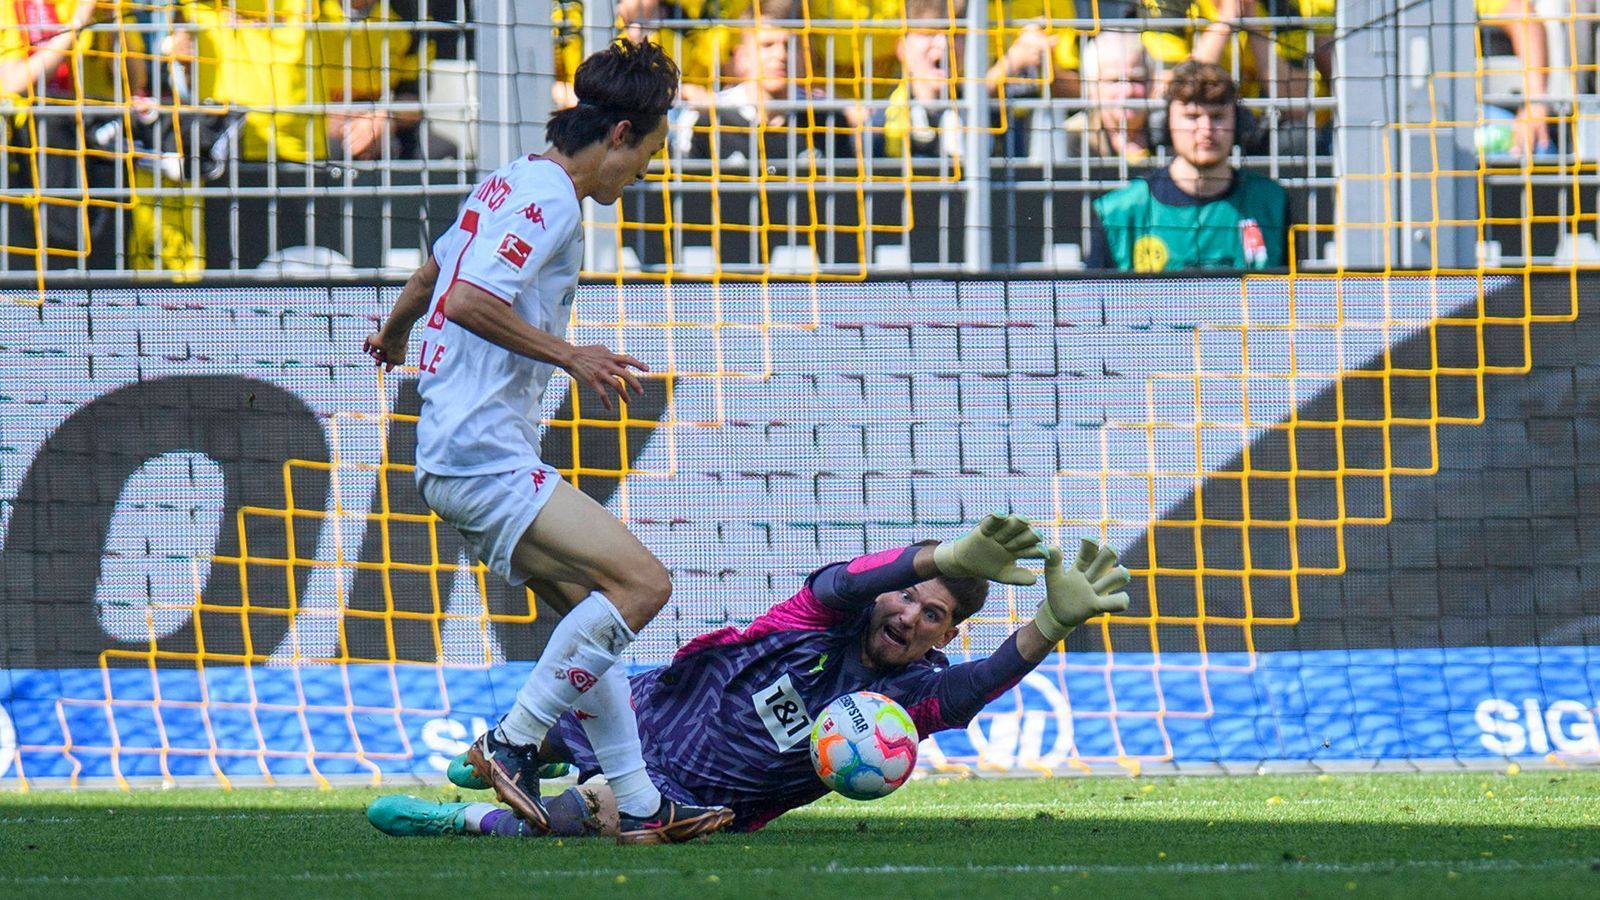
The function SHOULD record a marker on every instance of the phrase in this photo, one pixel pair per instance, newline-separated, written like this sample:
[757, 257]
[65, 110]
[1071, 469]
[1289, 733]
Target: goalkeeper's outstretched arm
[1091, 586]
[990, 551]
[1074, 594]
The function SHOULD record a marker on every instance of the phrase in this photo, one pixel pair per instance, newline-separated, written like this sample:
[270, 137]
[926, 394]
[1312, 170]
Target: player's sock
[486, 818]
[582, 648]
[613, 733]
[570, 816]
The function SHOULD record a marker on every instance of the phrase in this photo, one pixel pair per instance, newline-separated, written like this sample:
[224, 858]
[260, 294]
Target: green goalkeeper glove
[991, 551]
[1072, 596]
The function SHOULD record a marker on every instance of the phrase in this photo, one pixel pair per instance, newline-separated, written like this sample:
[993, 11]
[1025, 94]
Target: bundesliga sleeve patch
[514, 251]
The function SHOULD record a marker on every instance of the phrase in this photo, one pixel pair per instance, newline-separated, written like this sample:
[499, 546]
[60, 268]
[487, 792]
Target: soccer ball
[864, 745]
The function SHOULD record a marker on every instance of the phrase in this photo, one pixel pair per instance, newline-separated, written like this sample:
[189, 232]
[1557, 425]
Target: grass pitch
[1531, 834]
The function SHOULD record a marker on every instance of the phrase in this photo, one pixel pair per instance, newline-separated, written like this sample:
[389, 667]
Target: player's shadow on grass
[1094, 833]
[1123, 832]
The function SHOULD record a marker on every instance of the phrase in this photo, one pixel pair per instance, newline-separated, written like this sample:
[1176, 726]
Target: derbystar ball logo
[515, 251]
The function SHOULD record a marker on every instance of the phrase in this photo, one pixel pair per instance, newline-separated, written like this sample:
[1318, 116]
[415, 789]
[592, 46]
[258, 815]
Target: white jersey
[519, 237]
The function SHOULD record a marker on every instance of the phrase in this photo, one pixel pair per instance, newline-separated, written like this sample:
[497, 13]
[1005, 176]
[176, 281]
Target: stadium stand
[184, 122]
[267, 114]
[230, 108]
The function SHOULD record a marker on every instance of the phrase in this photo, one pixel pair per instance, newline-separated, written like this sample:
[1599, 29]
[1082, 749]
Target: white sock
[613, 733]
[475, 813]
[582, 648]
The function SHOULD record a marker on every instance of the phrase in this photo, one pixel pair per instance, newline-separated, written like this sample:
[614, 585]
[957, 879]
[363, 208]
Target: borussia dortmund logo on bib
[1149, 254]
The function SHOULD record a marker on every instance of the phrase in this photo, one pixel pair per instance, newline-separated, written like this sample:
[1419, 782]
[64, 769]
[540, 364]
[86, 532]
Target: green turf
[1462, 835]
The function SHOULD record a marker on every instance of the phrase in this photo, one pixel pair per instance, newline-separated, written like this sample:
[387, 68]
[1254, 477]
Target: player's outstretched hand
[1073, 595]
[607, 374]
[991, 551]
[387, 350]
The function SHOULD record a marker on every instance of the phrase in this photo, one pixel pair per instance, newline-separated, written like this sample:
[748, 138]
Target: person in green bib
[1199, 212]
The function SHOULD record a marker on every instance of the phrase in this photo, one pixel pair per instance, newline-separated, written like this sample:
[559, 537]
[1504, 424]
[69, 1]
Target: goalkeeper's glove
[991, 551]
[1091, 586]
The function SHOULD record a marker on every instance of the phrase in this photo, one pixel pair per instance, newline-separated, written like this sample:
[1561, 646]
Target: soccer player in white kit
[494, 332]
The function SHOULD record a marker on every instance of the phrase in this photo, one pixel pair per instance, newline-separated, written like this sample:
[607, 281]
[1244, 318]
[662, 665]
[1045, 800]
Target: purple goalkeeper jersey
[727, 723]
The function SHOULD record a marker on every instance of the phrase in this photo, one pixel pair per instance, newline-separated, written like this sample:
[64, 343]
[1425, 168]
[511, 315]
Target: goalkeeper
[728, 721]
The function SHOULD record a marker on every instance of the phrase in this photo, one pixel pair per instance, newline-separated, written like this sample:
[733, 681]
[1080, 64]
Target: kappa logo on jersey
[493, 192]
[514, 251]
[534, 214]
[783, 712]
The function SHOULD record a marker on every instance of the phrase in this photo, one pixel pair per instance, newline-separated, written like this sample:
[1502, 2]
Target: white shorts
[492, 512]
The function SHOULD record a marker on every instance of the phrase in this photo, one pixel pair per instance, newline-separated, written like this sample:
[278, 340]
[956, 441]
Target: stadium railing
[1020, 186]
[376, 216]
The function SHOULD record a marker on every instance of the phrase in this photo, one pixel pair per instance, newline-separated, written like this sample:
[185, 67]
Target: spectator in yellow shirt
[857, 58]
[83, 82]
[1211, 37]
[257, 54]
[698, 51]
[920, 119]
[1034, 49]
[38, 40]
[372, 62]
[1116, 75]
[762, 118]
[42, 63]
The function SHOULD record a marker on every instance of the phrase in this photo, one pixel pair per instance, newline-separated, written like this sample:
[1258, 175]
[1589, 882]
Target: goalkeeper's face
[906, 624]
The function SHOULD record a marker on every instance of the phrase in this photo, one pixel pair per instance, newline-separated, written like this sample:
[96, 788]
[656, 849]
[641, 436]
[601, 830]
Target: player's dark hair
[624, 82]
[969, 593]
[1202, 83]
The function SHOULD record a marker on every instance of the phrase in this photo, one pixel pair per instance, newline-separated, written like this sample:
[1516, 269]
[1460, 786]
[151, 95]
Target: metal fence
[199, 172]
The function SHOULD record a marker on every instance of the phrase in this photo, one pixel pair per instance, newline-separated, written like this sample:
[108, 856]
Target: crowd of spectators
[769, 87]
[110, 100]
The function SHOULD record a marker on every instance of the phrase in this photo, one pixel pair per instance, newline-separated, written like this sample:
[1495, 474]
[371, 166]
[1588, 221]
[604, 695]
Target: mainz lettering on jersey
[783, 712]
[493, 192]
[429, 360]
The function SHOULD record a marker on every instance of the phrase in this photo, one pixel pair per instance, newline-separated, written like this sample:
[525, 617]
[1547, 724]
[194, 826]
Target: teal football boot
[403, 815]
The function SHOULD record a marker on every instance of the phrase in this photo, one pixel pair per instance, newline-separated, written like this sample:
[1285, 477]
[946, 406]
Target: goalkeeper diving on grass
[726, 722]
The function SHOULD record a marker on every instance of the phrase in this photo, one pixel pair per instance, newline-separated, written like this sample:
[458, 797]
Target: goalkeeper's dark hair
[969, 593]
[624, 82]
